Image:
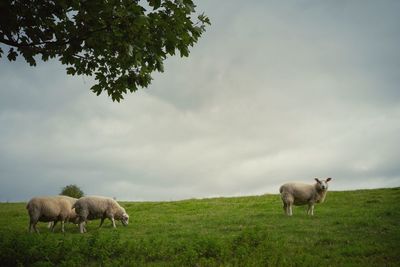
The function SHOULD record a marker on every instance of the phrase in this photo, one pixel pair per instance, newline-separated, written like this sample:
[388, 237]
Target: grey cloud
[274, 91]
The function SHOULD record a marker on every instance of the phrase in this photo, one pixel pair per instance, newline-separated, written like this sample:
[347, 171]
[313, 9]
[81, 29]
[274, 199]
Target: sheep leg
[84, 226]
[285, 208]
[53, 225]
[34, 227]
[62, 226]
[311, 208]
[101, 221]
[290, 209]
[113, 222]
[81, 228]
[32, 224]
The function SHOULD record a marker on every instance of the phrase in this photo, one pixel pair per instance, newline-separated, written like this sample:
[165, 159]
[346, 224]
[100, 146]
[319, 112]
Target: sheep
[301, 194]
[51, 209]
[97, 207]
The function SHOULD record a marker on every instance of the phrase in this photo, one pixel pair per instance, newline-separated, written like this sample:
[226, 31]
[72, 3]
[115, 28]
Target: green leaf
[96, 89]
[71, 71]
[12, 55]
[155, 3]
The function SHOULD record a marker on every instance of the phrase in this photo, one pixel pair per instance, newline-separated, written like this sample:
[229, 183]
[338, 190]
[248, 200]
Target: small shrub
[72, 190]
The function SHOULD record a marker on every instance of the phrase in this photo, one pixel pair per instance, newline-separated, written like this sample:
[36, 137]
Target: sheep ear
[318, 181]
[328, 179]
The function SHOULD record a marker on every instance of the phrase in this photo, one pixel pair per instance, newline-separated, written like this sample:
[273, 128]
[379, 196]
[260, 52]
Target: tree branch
[57, 43]
[8, 42]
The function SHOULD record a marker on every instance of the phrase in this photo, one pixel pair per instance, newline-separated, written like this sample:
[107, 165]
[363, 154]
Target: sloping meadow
[352, 228]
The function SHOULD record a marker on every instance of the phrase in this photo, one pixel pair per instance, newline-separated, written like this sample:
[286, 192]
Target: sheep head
[322, 185]
[125, 219]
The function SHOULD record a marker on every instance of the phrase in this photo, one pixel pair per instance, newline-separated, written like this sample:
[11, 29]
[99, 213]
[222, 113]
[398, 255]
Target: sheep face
[322, 184]
[125, 219]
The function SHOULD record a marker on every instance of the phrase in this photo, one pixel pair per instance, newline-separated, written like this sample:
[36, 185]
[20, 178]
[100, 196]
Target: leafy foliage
[72, 190]
[120, 42]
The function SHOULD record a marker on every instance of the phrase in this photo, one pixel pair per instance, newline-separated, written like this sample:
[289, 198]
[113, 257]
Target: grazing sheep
[96, 207]
[51, 209]
[302, 194]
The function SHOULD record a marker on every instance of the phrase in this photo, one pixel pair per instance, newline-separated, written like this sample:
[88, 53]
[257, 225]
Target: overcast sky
[274, 91]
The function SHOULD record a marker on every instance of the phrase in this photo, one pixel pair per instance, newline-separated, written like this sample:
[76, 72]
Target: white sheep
[97, 207]
[302, 194]
[51, 209]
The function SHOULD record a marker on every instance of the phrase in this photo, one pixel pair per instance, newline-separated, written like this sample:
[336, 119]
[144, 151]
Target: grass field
[353, 228]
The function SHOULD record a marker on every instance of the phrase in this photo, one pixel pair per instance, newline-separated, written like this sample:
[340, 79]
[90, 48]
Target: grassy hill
[353, 228]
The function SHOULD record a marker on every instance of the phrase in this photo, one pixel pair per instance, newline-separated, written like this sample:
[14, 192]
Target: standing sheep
[302, 194]
[96, 207]
[50, 209]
